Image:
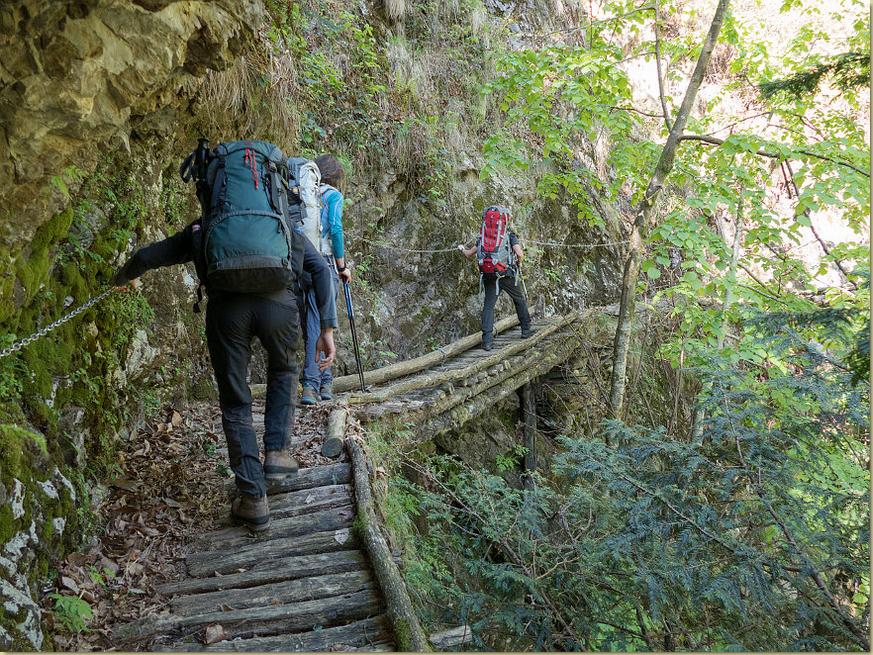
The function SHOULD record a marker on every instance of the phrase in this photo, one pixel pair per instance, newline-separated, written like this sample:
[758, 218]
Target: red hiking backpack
[494, 252]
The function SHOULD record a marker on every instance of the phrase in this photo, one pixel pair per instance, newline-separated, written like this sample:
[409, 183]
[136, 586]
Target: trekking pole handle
[348, 294]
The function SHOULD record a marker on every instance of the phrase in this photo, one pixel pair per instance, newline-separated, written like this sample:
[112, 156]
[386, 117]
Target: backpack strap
[326, 190]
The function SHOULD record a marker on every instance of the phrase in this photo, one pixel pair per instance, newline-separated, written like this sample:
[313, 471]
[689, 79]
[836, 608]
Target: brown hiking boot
[279, 464]
[251, 511]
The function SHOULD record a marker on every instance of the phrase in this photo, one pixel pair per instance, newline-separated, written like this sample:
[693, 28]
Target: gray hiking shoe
[526, 331]
[327, 391]
[279, 464]
[309, 396]
[487, 341]
[251, 511]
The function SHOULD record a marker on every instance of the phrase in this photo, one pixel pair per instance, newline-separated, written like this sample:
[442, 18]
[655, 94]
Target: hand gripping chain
[15, 347]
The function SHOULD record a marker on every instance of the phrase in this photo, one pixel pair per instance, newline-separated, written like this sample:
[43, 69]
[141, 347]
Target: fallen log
[452, 637]
[407, 630]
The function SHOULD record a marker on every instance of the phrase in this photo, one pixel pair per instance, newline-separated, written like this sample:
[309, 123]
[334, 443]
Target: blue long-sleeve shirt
[332, 219]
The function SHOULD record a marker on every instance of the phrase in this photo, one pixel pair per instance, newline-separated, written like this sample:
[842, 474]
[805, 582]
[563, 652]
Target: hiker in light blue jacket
[317, 383]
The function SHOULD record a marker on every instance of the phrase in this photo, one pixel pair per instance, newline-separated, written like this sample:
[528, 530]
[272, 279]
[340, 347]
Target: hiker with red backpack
[248, 257]
[499, 255]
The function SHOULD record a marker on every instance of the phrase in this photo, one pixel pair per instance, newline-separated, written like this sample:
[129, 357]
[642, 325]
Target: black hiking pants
[494, 286]
[232, 321]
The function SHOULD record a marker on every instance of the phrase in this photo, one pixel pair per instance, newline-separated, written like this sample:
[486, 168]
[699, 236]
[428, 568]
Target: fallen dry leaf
[214, 633]
[127, 485]
[70, 584]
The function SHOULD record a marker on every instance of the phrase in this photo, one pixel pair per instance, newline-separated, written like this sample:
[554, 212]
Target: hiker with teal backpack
[323, 227]
[247, 256]
[499, 255]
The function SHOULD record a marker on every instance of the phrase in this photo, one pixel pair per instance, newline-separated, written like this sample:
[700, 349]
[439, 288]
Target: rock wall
[94, 110]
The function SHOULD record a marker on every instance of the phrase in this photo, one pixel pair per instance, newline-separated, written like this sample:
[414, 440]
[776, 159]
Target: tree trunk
[529, 415]
[643, 217]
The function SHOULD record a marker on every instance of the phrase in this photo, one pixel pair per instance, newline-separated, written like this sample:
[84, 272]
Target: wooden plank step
[373, 632]
[307, 501]
[260, 621]
[379, 647]
[308, 478]
[319, 543]
[293, 526]
[288, 591]
[272, 570]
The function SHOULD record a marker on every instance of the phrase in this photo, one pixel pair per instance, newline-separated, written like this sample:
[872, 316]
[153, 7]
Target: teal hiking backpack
[245, 243]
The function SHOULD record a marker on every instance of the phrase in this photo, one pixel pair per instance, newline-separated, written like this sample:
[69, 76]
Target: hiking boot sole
[251, 525]
[279, 474]
[258, 524]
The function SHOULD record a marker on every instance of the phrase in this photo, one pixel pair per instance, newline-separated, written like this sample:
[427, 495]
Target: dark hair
[332, 171]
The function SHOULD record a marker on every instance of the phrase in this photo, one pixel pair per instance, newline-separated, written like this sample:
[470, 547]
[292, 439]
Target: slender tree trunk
[529, 415]
[643, 217]
[658, 66]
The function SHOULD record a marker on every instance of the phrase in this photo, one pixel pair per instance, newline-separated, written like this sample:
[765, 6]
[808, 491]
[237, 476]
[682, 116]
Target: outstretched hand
[133, 285]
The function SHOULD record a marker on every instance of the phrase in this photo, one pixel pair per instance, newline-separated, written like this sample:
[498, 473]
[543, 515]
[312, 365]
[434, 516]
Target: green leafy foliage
[754, 538]
[72, 612]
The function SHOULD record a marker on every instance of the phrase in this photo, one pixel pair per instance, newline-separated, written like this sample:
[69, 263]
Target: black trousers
[494, 286]
[232, 322]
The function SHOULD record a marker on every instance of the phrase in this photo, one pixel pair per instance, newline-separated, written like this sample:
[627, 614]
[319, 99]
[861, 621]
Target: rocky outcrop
[95, 109]
[75, 75]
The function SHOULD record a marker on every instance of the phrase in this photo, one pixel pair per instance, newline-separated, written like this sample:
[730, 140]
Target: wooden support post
[529, 414]
[336, 430]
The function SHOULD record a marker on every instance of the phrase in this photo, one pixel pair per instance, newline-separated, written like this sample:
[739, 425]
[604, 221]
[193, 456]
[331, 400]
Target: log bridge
[322, 578]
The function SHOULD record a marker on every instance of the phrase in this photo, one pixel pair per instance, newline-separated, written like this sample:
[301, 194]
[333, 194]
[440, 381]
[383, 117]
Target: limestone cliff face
[77, 77]
[95, 110]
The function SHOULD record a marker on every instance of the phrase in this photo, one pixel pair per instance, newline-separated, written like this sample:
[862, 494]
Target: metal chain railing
[39, 334]
[546, 244]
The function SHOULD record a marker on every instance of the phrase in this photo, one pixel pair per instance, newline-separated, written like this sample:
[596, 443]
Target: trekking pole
[521, 279]
[351, 314]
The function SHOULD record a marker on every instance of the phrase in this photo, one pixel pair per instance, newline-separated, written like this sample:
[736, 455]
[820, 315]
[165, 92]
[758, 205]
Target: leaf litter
[172, 487]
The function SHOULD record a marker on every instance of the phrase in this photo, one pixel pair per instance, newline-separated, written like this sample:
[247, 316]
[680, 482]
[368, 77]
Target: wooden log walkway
[322, 578]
